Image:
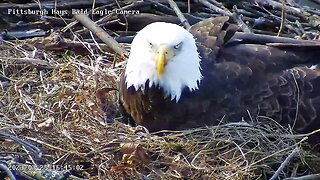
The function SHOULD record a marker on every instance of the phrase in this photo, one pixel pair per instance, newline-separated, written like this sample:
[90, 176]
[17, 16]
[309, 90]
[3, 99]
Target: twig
[216, 3]
[124, 17]
[316, 1]
[283, 17]
[215, 8]
[25, 144]
[284, 163]
[4, 168]
[47, 144]
[27, 60]
[106, 38]
[161, 7]
[306, 177]
[300, 27]
[282, 150]
[238, 18]
[176, 9]
[292, 10]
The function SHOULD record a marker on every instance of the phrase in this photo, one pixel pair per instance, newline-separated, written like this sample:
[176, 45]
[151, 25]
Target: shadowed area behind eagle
[244, 76]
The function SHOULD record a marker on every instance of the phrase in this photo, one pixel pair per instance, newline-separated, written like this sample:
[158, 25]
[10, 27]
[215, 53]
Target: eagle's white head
[166, 55]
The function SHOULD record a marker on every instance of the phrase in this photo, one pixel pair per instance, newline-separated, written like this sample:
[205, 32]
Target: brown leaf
[102, 94]
[134, 154]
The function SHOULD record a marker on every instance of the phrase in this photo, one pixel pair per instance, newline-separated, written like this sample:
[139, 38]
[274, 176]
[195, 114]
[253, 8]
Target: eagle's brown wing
[219, 41]
[244, 76]
[262, 75]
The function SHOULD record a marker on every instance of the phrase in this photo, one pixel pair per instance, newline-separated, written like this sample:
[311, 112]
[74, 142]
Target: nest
[59, 118]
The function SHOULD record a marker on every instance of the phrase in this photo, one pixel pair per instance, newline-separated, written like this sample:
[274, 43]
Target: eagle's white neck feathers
[183, 70]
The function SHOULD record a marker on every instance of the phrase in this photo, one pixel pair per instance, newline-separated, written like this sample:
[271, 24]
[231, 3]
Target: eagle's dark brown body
[245, 76]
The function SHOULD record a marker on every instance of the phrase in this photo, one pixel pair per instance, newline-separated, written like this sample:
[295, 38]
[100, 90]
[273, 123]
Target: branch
[5, 168]
[35, 150]
[306, 177]
[176, 9]
[215, 8]
[283, 17]
[238, 18]
[316, 1]
[106, 38]
[284, 163]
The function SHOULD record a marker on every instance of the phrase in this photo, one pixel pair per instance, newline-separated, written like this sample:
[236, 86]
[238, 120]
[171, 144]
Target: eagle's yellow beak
[164, 54]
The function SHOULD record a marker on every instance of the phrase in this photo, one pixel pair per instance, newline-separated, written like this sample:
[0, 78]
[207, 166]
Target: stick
[285, 163]
[106, 38]
[306, 177]
[292, 10]
[28, 61]
[176, 9]
[238, 18]
[215, 8]
[316, 1]
[35, 150]
[283, 17]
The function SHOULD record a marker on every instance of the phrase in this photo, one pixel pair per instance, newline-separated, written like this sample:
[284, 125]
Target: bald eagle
[177, 79]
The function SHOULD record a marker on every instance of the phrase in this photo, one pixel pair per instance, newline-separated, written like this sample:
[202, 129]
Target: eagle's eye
[150, 44]
[178, 45]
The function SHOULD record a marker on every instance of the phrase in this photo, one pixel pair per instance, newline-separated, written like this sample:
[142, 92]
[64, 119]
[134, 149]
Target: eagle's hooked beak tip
[163, 55]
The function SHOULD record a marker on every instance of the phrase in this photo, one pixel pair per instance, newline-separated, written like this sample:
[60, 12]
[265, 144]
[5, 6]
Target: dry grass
[61, 110]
